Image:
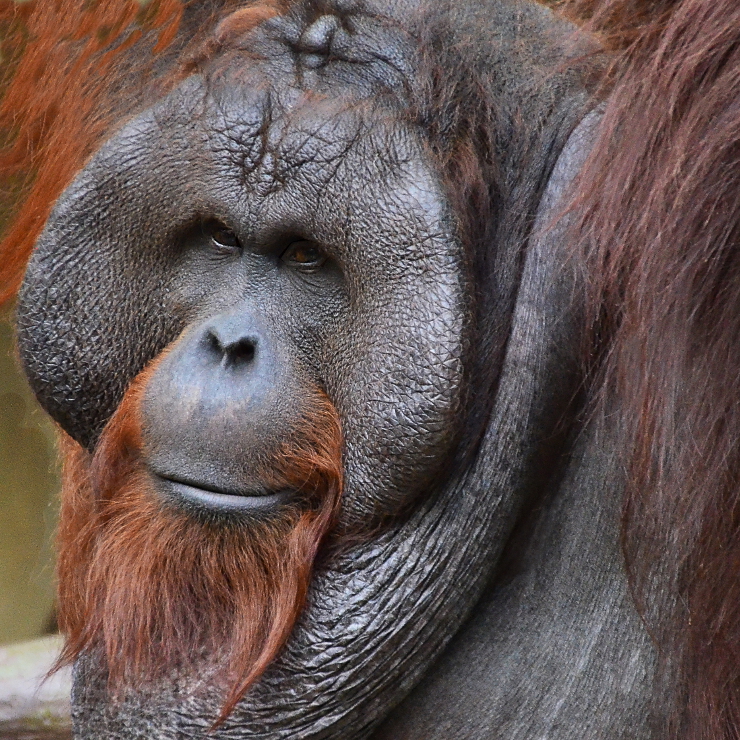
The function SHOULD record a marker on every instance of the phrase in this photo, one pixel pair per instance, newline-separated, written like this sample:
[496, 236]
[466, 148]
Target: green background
[28, 504]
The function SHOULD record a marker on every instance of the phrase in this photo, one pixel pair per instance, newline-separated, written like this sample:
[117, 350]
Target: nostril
[240, 352]
[214, 343]
[229, 349]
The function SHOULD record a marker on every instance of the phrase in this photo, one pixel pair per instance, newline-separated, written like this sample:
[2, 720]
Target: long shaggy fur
[660, 235]
[64, 62]
[164, 594]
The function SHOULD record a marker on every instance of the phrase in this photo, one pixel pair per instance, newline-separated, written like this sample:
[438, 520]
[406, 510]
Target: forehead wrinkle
[258, 65]
[237, 125]
[266, 144]
[308, 139]
[264, 134]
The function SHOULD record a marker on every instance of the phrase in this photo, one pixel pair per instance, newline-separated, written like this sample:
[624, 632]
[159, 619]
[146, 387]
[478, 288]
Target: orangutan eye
[222, 238]
[304, 255]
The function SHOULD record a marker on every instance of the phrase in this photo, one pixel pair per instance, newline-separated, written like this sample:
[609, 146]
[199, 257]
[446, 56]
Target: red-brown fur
[163, 594]
[658, 232]
[233, 27]
[64, 56]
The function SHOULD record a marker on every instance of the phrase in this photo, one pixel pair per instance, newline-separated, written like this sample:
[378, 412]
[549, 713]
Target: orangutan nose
[229, 346]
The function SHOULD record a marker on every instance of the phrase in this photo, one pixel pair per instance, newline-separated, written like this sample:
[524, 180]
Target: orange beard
[165, 594]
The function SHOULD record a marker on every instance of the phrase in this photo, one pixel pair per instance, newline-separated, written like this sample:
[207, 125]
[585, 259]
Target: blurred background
[28, 504]
[28, 474]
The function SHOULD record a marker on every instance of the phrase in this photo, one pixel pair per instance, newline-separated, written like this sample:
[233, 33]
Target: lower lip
[223, 502]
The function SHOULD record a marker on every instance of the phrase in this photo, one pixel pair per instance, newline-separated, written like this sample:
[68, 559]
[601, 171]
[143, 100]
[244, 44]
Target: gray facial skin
[381, 325]
[451, 359]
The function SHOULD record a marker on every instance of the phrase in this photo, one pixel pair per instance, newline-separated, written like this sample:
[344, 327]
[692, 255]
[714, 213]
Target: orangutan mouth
[208, 497]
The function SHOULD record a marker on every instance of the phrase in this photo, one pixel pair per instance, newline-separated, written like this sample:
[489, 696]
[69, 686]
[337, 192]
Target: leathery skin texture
[446, 349]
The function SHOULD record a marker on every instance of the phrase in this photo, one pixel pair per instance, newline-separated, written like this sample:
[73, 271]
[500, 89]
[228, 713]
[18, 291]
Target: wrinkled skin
[451, 363]
[329, 317]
